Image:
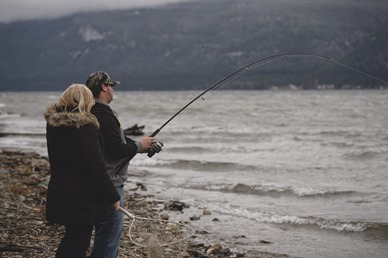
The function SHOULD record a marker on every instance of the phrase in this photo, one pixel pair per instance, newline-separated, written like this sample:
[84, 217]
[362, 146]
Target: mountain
[191, 45]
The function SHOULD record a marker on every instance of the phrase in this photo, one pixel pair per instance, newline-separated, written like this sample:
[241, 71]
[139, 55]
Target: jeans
[75, 242]
[108, 232]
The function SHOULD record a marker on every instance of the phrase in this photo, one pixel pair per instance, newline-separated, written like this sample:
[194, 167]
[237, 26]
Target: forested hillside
[192, 45]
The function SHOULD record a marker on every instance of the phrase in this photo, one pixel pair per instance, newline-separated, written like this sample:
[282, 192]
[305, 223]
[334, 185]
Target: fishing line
[246, 69]
[258, 63]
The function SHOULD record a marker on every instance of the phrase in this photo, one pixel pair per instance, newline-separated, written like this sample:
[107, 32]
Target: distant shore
[24, 231]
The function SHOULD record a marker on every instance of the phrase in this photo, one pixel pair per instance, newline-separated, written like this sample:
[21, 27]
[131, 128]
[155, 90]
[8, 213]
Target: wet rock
[177, 206]
[195, 218]
[240, 236]
[141, 186]
[214, 248]
[225, 251]
[206, 212]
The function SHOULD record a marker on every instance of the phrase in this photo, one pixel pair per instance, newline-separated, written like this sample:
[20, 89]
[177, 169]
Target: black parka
[79, 190]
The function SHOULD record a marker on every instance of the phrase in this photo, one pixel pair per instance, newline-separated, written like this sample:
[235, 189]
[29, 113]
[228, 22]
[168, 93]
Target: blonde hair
[78, 97]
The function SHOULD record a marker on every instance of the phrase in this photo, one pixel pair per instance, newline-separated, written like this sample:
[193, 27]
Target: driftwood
[134, 130]
[4, 134]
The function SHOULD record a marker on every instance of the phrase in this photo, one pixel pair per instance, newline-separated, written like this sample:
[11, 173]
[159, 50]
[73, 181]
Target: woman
[80, 191]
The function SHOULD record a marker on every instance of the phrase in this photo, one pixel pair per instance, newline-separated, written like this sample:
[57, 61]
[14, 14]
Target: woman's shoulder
[90, 127]
[88, 132]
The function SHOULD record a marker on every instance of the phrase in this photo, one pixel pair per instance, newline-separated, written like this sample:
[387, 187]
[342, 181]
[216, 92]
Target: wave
[345, 134]
[150, 162]
[334, 133]
[273, 190]
[216, 148]
[197, 165]
[364, 155]
[9, 115]
[188, 149]
[337, 225]
[327, 224]
[342, 144]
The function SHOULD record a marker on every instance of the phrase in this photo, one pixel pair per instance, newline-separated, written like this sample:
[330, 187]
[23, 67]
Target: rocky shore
[24, 231]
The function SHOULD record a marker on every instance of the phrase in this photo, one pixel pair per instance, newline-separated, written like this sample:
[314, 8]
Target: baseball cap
[96, 79]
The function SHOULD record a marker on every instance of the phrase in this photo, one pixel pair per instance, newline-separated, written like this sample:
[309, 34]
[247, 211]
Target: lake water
[303, 170]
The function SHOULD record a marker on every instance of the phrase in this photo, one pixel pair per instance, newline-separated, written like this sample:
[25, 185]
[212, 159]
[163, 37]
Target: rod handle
[155, 133]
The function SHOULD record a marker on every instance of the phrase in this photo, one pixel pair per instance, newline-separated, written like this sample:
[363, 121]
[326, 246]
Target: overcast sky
[13, 10]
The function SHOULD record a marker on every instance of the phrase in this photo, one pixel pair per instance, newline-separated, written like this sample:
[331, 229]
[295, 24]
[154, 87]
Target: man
[119, 150]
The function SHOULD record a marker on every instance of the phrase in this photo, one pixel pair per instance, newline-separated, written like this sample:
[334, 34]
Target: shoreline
[24, 231]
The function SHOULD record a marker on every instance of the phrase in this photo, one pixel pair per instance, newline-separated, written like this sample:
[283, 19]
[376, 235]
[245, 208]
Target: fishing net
[159, 238]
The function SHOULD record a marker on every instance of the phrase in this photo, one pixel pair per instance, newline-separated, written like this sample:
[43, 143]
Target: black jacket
[119, 149]
[79, 190]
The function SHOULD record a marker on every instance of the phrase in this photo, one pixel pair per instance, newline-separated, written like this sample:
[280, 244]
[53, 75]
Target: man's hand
[146, 143]
[116, 206]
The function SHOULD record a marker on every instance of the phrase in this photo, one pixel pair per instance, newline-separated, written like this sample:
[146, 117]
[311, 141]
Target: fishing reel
[155, 147]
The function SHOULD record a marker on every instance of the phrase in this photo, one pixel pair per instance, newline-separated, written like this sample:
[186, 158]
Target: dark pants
[75, 242]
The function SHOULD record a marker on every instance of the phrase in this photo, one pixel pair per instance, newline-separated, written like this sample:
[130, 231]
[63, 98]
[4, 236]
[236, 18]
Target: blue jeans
[108, 232]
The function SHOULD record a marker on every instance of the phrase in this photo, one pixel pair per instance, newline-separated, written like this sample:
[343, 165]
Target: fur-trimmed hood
[57, 115]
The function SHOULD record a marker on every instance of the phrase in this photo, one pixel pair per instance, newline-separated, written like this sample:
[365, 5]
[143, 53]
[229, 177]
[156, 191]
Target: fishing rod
[266, 60]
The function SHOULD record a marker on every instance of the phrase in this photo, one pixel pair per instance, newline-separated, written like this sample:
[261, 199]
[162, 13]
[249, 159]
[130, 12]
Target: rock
[195, 218]
[164, 216]
[225, 251]
[159, 207]
[195, 253]
[240, 236]
[214, 248]
[206, 212]
[177, 206]
[141, 186]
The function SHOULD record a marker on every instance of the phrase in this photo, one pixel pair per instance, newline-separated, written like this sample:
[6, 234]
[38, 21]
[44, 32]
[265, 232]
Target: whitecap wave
[337, 225]
[272, 190]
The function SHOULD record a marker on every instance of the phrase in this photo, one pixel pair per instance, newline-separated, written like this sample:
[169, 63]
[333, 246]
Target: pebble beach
[24, 232]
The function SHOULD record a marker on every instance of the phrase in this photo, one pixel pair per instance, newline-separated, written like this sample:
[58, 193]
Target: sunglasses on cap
[112, 85]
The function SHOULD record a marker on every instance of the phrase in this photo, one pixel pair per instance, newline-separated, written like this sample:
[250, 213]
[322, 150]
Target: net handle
[126, 212]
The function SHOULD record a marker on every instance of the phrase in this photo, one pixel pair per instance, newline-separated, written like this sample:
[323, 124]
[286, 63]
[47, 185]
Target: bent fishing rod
[266, 60]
